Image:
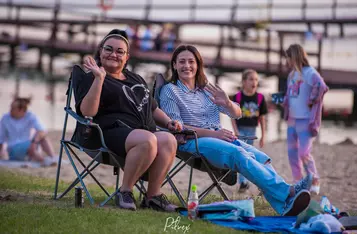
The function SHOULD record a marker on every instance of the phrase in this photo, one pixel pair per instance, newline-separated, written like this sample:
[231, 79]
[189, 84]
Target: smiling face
[114, 54]
[186, 66]
[250, 84]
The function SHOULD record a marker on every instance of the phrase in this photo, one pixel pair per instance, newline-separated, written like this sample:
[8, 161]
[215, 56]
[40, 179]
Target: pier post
[268, 49]
[39, 62]
[9, 10]
[354, 107]
[12, 56]
[281, 52]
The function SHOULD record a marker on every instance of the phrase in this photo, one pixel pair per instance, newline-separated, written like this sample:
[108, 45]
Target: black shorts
[115, 140]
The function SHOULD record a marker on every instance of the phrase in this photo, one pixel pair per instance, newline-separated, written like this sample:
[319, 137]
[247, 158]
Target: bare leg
[34, 154]
[166, 145]
[47, 146]
[141, 148]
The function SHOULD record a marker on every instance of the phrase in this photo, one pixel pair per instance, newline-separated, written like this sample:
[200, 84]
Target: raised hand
[219, 97]
[91, 65]
[225, 135]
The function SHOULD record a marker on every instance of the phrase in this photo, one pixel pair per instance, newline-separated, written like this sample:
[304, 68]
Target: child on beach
[254, 108]
[302, 110]
[15, 130]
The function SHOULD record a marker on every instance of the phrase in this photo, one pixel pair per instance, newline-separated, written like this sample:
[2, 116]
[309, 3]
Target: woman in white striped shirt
[196, 104]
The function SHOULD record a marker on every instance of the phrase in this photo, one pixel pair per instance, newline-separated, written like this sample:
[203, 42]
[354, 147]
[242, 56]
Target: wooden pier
[218, 65]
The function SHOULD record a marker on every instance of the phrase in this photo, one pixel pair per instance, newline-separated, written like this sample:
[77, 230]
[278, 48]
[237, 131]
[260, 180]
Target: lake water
[337, 53]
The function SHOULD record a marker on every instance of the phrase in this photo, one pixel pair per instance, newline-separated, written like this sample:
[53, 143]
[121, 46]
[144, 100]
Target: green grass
[31, 209]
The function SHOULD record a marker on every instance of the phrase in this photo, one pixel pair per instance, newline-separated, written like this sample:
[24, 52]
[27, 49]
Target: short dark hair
[118, 34]
[201, 79]
[22, 103]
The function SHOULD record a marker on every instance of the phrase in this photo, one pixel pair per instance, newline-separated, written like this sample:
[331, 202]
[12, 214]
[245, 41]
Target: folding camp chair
[197, 161]
[98, 151]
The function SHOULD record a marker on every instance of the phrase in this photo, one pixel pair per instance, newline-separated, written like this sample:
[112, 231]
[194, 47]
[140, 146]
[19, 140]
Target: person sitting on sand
[190, 100]
[15, 130]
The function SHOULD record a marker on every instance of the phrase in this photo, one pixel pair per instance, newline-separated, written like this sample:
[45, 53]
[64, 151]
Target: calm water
[337, 53]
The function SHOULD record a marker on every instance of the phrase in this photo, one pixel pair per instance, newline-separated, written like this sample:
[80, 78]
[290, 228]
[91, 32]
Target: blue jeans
[246, 131]
[247, 160]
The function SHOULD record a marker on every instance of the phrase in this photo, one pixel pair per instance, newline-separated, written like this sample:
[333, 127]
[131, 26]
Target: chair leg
[89, 171]
[140, 187]
[189, 183]
[172, 173]
[216, 183]
[61, 149]
[58, 171]
[117, 173]
[79, 177]
[108, 199]
[83, 174]
[177, 192]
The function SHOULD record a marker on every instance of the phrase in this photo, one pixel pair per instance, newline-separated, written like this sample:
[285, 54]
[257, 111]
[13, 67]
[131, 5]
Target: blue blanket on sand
[278, 224]
[263, 224]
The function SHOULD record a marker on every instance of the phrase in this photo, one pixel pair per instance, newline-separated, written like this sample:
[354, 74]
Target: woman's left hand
[219, 97]
[174, 125]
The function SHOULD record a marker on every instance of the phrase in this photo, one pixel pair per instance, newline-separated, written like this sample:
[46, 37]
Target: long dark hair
[200, 79]
[117, 34]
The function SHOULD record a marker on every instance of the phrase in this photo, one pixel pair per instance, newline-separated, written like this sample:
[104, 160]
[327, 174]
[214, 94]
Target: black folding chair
[197, 161]
[97, 150]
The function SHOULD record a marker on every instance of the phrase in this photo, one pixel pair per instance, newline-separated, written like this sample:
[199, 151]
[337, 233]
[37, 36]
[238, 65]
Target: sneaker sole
[301, 202]
[155, 207]
[127, 208]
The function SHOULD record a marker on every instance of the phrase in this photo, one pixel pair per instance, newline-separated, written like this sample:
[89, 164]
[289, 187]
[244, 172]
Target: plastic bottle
[193, 202]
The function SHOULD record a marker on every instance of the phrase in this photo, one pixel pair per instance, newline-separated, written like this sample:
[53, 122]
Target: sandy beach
[335, 163]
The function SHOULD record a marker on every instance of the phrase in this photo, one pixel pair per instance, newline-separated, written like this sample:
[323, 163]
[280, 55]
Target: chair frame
[68, 145]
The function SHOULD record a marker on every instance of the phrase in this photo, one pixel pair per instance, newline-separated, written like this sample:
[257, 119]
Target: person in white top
[16, 129]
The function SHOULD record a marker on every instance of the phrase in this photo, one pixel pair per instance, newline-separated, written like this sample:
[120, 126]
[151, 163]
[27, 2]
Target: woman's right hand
[91, 65]
[225, 135]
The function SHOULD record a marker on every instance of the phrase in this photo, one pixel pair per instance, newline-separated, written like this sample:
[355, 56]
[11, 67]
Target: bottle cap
[194, 188]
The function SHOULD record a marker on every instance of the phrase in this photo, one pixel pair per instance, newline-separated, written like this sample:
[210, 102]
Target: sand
[337, 165]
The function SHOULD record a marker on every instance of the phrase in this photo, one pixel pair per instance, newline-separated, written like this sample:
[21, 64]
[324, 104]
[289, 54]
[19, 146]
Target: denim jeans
[247, 160]
[246, 131]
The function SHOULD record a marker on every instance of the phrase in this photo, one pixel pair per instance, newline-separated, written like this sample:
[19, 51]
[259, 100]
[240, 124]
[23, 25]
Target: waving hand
[219, 97]
[91, 65]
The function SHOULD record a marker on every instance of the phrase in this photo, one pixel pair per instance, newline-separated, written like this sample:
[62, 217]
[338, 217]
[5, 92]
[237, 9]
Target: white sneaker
[49, 161]
[315, 189]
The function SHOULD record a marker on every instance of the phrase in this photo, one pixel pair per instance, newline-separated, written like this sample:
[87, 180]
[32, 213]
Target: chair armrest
[84, 121]
[87, 122]
[247, 137]
[187, 132]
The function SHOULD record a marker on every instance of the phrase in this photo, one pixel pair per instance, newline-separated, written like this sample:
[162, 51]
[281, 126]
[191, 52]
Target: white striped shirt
[191, 107]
